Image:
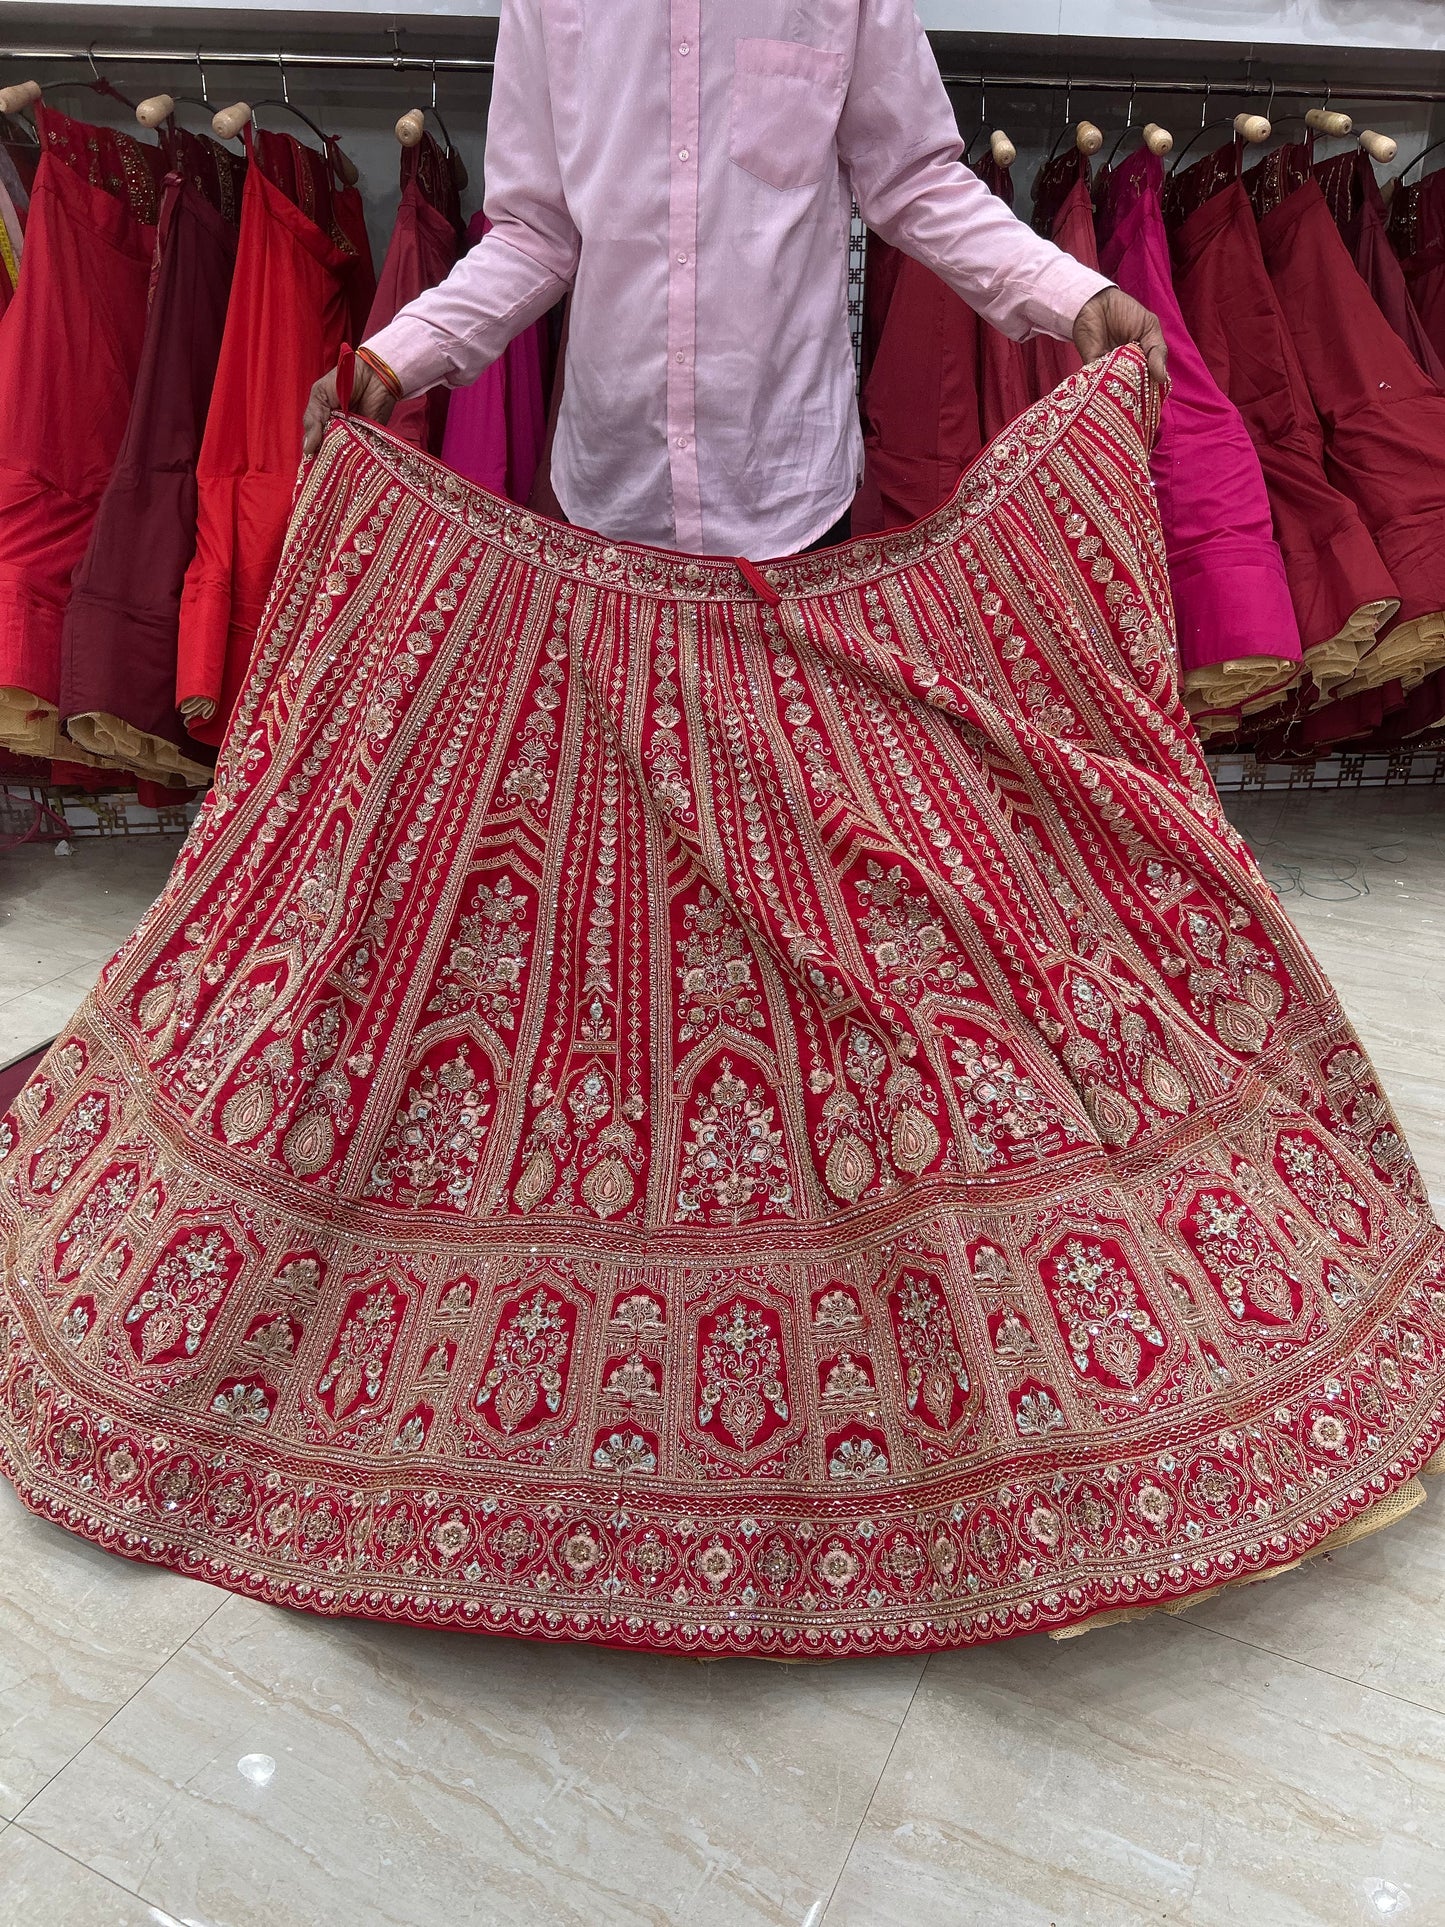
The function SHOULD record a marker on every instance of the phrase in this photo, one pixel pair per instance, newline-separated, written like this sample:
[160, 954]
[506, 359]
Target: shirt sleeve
[898, 139]
[526, 261]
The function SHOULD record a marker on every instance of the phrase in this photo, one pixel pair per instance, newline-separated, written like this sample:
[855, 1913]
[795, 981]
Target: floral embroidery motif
[526, 1372]
[487, 958]
[354, 1371]
[1110, 1329]
[175, 1308]
[741, 1381]
[1009, 1119]
[624, 1452]
[903, 935]
[1323, 1189]
[935, 1378]
[735, 1167]
[847, 1377]
[1252, 1275]
[716, 973]
[858, 1455]
[82, 1129]
[431, 1153]
[86, 1232]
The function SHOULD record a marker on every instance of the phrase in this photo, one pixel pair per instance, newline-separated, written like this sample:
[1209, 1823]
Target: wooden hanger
[227, 124]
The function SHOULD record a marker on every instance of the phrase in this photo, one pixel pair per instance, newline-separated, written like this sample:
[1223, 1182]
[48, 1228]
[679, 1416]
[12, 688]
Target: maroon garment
[1005, 387]
[1339, 585]
[1383, 417]
[422, 251]
[118, 655]
[1417, 234]
[920, 393]
[1353, 195]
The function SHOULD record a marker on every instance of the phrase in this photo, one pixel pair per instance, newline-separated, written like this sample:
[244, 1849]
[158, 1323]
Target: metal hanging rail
[96, 54]
[1251, 83]
[1245, 86]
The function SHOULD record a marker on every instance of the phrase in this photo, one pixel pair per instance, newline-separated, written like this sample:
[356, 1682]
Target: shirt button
[684, 154]
[682, 357]
[682, 441]
[684, 48]
[682, 260]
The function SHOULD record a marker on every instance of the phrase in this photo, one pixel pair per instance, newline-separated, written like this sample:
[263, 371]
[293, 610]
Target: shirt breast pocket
[786, 101]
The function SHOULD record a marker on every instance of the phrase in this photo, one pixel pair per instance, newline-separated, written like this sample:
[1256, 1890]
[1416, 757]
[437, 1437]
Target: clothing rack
[397, 62]
[1248, 84]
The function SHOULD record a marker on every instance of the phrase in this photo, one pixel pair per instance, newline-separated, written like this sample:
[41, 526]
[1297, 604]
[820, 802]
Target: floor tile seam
[49, 984]
[821, 1919]
[131, 1893]
[115, 1714]
[1308, 1666]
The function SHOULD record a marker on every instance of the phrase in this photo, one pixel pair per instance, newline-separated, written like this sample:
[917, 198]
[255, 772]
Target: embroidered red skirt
[727, 1111]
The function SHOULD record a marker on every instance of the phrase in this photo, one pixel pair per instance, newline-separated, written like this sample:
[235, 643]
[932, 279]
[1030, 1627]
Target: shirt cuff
[415, 352]
[1058, 295]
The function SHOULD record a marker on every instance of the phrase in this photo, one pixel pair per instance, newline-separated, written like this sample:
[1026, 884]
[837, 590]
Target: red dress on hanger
[288, 315]
[69, 350]
[1342, 590]
[1238, 639]
[118, 681]
[422, 250]
[1348, 184]
[1383, 417]
[1064, 211]
[1417, 234]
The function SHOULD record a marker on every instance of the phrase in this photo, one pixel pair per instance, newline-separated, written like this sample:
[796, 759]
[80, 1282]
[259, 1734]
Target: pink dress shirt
[689, 179]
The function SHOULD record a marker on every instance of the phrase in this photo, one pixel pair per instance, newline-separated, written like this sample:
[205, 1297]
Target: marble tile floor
[171, 1756]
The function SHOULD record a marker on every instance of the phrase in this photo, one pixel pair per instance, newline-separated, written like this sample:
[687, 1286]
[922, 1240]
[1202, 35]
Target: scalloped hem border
[1396, 1494]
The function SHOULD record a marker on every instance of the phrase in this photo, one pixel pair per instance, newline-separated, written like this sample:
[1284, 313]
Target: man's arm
[899, 141]
[514, 273]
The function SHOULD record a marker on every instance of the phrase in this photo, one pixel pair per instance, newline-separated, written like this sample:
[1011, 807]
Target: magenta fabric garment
[687, 172]
[1231, 596]
[496, 427]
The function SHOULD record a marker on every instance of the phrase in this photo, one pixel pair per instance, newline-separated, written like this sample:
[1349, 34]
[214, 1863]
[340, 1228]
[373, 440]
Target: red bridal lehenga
[716, 1108]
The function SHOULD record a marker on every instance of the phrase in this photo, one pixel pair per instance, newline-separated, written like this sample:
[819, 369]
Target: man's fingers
[1156, 353]
[320, 407]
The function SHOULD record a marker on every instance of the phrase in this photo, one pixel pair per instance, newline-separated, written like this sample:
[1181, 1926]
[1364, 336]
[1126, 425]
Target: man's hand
[1110, 320]
[370, 397]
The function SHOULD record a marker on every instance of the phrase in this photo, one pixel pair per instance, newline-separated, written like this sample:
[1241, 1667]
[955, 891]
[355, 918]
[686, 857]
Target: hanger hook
[396, 54]
[201, 70]
[281, 70]
[1204, 107]
[1269, 104]
[433, 84]
[1129, 112]
[90, 56]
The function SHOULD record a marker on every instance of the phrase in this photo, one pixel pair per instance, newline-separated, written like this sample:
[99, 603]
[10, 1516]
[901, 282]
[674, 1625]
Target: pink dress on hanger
[496, 426]
[1238, 636]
